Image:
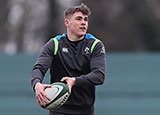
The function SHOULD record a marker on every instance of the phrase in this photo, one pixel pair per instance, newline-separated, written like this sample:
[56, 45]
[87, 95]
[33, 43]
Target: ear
[66, 22]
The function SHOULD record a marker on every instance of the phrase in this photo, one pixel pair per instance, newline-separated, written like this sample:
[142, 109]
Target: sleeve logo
[103, 50]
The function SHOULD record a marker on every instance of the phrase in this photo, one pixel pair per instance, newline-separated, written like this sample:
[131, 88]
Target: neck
[74, 37]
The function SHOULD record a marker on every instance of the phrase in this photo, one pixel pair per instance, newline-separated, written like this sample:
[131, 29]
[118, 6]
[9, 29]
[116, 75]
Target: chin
[82, 34]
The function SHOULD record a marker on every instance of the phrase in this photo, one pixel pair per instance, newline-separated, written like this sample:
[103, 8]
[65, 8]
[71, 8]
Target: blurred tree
[125, 25]
[28, 25]
[53, 23]
[56, 20]
[3, 23]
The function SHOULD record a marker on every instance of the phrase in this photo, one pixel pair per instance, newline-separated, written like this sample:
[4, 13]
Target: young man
[75, 57]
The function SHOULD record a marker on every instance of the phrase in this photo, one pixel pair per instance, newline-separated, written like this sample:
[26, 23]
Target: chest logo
[87, 50]
[65, 50]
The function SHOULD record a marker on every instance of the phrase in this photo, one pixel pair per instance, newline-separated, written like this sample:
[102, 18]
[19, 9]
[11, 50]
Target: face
[77, 24]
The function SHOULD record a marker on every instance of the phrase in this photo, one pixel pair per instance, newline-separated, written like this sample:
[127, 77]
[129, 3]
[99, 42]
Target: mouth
[83, 28]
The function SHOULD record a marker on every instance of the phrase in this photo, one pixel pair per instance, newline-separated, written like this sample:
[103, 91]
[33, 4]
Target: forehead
[79, 14]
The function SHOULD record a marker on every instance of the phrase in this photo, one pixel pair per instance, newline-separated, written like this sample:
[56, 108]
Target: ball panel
[53, 92]
[65, 87]
[58, 103]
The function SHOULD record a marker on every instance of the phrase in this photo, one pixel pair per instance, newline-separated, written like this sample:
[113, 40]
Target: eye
[86, 19]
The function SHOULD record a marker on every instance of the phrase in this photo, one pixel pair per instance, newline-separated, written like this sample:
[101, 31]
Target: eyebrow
[81, 17]
[78, 17]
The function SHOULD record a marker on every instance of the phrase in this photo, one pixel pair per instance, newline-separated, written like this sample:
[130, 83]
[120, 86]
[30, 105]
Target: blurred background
[128, 28]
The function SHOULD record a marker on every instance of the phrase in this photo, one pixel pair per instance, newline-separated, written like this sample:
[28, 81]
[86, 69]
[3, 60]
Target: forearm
[36, 76]
[95, 77]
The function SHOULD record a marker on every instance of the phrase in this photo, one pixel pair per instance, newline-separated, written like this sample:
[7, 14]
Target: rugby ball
[58, 94]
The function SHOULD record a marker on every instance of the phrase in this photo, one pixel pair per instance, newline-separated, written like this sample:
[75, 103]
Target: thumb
[70, 88]
[64, 78]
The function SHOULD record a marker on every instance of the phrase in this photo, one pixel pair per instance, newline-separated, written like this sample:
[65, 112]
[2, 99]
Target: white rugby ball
[58, 94]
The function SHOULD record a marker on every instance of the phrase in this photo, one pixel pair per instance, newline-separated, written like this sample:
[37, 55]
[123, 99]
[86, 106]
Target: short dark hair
[82, 8]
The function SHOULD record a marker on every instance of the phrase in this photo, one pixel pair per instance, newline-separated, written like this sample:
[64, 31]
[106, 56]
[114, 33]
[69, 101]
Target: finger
[43, 100]
[38, 100]
[69, 87]
[44, 94]
[64, 78]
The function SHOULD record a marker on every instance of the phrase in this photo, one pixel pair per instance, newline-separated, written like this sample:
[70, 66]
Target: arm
[43, 63]
[97, 65]
[41, 66]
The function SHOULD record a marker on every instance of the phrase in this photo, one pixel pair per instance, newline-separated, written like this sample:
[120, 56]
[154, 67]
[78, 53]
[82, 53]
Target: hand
[41, 97]
[71, 81]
